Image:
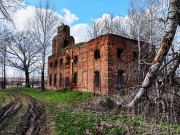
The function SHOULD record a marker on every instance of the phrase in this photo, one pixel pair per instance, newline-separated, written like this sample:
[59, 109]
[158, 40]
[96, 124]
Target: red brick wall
[126, 63]
[87, 65]
[108, 64]
[84, 68]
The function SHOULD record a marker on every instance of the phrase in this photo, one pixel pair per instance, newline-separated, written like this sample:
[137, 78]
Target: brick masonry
[103, 65]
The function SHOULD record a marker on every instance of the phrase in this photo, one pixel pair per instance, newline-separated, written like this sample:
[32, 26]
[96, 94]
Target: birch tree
[145, 16]
[169, 33]
[146, 23]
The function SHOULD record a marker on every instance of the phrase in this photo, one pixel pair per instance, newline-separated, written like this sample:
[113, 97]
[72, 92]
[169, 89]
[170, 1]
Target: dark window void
[96, 54]
[75, 79]
[61, 62]
[135, 56]
[120, 79]
[50, 80]
[51, 64]
[75, 59]
[65, 43]
[97, 79]
[65, 29]
[59, 44]
[60, 79]
[68, 60]
[119, 53]
[54, 42]
[56, 63]
[55, 80]
[54, 45]
[66, 82]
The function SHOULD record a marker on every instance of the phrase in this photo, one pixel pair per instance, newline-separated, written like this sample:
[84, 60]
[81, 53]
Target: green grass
[62, 106]
[70, 119]
[71, 122]
[168, 126]
[2, 95]
[68, 96]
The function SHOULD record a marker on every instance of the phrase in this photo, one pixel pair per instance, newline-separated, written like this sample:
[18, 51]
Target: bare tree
[169, 33]
[95, 29]
[7, 7]
[3, 51]
[120, 26]
[145, 16]
[107, 25]
[146, 23]
[43, 27]
[4, 41]
[23, 53]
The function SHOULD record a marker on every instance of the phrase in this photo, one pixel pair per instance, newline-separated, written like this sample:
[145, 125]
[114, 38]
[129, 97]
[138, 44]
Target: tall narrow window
[61, 62]
[135, 56]
[75, 59]
[65, 29]
[96, 54]
[51, 64]
[97, 79]
[59, 44]
[54, 43]
[65, 43]
[50, 80]
[68, 60]
[120, 79]
[56, 63]
[60, 79]
[67, 82]
[119, 53]
[75, 79]
[55, 79]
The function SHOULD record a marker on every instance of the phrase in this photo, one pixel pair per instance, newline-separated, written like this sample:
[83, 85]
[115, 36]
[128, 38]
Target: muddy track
[21, 114]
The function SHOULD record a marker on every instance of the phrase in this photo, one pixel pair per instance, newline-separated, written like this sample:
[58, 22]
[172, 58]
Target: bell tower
[62, 40]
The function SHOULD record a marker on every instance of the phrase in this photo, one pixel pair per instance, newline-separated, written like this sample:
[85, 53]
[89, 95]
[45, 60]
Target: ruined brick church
[103, 65]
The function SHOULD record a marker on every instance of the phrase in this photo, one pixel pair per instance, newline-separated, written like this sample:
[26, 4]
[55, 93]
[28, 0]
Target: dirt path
[22, 115]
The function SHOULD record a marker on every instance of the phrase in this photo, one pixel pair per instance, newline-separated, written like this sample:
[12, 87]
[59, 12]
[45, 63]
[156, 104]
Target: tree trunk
[139, 55]
[42, 73]
[171, 73]
[171, 26]
[4, 77]
[172, 70]
[4, 66]
[27, 79]
[42, 80]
